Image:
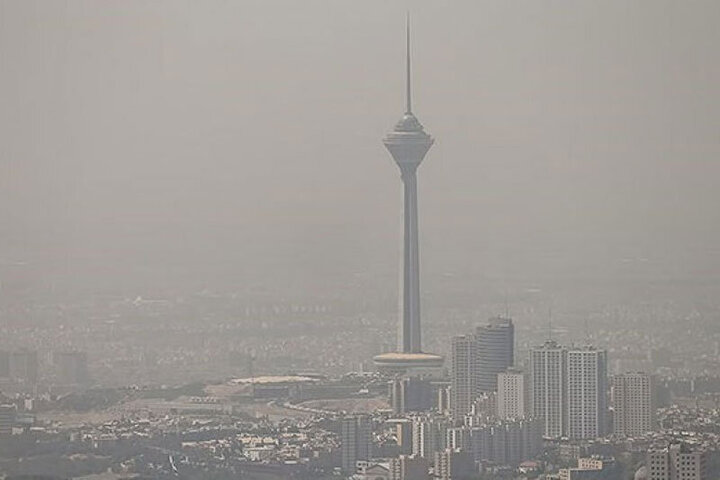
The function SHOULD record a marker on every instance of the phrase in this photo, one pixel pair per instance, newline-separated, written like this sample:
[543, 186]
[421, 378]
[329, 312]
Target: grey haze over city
[162, 143]
[195, 195]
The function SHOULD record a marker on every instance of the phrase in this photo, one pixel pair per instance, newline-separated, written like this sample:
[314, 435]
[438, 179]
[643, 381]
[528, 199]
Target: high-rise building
[397, 395]
[356, 441]
[443, 399]
[586, 393]
[511, 394]
[503, 443]
[409, 467]
[481, 443]
[676, 462]
[403, 433]
[496, 351]
[429, 435]
[568, 390]
[458, 438]
[7, 419]
[632, 401]
[514, 443]
[454, 465]
[463, 381]
[532, 434]
[483, 410]
[408, 144]
[548, 372]
[499, 443]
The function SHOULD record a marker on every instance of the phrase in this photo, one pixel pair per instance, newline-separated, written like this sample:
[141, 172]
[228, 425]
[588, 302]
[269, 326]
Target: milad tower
[408, 143]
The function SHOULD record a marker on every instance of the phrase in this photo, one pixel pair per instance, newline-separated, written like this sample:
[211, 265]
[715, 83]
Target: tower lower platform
[399, 362]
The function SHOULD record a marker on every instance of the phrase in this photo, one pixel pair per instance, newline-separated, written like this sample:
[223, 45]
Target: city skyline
[199, 249]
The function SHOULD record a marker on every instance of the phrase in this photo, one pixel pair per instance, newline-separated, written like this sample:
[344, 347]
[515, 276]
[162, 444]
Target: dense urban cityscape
[609, 374]
[619, 394]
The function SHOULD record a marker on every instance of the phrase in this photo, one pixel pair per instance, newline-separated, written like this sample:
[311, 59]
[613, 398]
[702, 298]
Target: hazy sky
[570, 135]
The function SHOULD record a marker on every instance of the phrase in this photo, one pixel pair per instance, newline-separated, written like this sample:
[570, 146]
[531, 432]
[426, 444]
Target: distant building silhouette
[23, 366]
[496, 351]
[71, 367]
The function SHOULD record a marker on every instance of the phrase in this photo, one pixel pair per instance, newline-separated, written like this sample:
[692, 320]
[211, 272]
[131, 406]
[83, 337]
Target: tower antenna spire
[408, 91]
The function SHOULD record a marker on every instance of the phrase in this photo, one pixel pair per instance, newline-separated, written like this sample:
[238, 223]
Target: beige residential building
[511, 395]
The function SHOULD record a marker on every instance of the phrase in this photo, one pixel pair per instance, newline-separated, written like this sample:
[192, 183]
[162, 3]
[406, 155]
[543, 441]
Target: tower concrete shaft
[410, 337]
